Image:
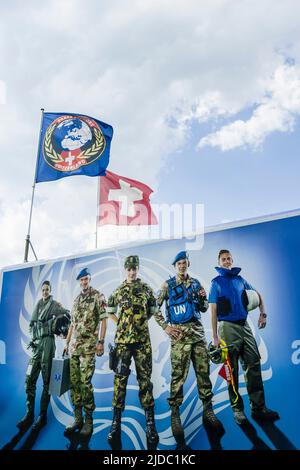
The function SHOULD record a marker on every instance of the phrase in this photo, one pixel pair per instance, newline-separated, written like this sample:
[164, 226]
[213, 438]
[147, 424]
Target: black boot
[210, 421]
[265, 414]
[26, 421]
[77, 423]
[40, 422]
[114, 436]
[151, 433]
[177, 428]
[87, 429]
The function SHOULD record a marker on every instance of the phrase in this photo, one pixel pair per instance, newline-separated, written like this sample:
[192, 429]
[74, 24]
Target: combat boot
[264, 414]
[87, 428]
[40, 422]
[114, 436]
[77, 423]
[177, 428]
[210, 421]
[151, 433]
[26, 421]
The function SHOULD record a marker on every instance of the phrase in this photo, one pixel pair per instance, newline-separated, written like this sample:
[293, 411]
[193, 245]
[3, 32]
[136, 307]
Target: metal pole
[28, 242]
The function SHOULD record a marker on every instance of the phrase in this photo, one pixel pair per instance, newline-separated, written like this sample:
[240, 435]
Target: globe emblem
[72, 134]
[71, 142]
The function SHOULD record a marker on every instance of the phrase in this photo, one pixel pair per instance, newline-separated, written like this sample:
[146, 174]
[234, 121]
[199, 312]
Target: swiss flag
[124, 201]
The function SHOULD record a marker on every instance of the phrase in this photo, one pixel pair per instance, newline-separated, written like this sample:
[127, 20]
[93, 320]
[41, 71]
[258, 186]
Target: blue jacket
[226, 291]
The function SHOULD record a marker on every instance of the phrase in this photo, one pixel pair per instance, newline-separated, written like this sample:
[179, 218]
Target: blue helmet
[84, 272]
[181, 255]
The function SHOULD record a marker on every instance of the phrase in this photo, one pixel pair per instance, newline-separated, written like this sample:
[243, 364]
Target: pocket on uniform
[29, 369]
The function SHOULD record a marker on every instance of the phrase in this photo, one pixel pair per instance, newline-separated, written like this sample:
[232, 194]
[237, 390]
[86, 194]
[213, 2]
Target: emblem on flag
[72, 144]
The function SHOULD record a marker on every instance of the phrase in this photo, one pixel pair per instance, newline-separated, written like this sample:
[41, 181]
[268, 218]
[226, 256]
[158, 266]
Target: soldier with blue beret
[185, 299]
[84, 340]
[84, 272]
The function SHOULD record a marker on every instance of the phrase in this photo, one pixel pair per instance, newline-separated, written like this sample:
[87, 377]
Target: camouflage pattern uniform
[135, 303]
[191, 347]
[88, 310]
[41, 328]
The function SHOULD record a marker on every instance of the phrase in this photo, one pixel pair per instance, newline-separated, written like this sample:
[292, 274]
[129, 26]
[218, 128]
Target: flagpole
[28, 242]
[97, 206]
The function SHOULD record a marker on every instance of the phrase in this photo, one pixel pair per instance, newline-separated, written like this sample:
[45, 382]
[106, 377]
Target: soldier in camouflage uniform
[42, 328]
[83, 342]
[188, 344]
[135, 302]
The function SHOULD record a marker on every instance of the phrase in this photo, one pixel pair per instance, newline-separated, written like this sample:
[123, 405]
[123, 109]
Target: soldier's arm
[101, 305]
[214, 322]
[202, 298]
[112, 307]
[151, 304]
[161, 297]
[70, 331]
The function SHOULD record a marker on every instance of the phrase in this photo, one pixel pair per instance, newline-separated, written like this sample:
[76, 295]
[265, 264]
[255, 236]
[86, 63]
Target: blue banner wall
[268, 253]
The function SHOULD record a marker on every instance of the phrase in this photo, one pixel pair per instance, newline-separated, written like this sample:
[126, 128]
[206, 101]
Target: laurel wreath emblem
[96, 149]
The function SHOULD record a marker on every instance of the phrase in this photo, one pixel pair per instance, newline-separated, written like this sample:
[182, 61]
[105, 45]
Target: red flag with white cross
[124, 201]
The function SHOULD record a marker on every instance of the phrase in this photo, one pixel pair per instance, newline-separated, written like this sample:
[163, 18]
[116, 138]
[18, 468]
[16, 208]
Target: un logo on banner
[71, 142]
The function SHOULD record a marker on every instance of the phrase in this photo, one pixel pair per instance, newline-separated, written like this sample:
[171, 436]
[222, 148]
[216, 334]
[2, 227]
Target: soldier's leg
[180, 361]
[200, 361]
[232, 333]
[124, 355]
[76, 396]
[143, 362]
[75, 382]
[48, 352]
[142, 355]
[87, 368]
[250, 359]
[32, 374]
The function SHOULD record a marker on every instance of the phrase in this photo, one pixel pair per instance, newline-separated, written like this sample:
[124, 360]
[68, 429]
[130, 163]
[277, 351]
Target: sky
[203, 96]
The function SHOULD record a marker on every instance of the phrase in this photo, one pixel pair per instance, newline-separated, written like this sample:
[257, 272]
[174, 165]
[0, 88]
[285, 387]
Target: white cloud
[276, 112]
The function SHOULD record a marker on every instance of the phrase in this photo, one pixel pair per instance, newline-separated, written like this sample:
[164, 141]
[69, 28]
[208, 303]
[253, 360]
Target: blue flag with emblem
[72, 144]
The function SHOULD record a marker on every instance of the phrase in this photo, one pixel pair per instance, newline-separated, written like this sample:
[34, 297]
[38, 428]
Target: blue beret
[84, 272]
[179, 256]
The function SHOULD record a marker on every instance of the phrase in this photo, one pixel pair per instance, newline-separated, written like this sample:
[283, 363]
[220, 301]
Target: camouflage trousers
[182, 354]
[82, 369]
[142, 355]
[41, 361]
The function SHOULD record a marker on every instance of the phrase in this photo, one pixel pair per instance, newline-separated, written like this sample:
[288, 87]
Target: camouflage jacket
[134, 303]
[192, 331]
[43, 318]
[88, 310]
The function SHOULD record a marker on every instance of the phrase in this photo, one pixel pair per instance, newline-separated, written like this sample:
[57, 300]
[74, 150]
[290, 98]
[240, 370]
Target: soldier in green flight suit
[85, 339]
[134, 303]
[185, 298]
[42, 327]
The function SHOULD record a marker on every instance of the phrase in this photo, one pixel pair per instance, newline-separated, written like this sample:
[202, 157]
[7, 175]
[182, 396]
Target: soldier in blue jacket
[229, 310]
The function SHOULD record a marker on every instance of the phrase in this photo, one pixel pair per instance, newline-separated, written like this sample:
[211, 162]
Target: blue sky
[235, 184]
[204, 101]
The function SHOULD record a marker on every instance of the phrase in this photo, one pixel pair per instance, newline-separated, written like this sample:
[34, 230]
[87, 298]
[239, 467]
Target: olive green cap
[131, 261]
